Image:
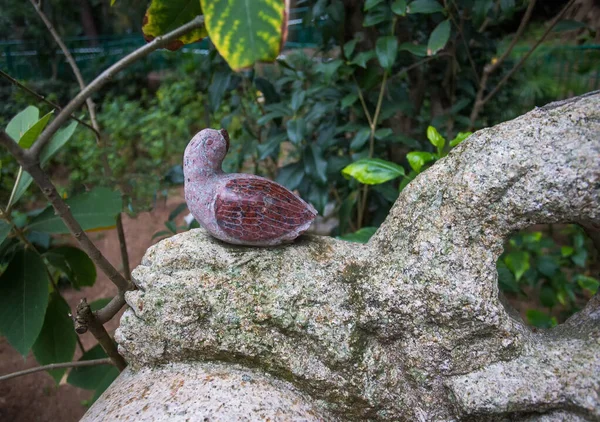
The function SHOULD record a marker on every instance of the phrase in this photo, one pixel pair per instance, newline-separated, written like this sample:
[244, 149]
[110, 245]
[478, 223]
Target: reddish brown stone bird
[239, 208]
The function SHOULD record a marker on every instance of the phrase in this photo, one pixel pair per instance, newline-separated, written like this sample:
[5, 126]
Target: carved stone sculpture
[237, 208]
[409, 327]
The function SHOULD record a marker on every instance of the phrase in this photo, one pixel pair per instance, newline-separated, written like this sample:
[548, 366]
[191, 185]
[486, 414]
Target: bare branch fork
[481, 100]
[29, 161]
[78, 364]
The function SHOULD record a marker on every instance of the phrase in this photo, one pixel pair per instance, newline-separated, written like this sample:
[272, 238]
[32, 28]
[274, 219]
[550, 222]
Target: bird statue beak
[225, 136]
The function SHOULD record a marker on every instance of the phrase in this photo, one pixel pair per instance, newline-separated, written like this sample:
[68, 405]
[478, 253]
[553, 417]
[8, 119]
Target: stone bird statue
[237, 208]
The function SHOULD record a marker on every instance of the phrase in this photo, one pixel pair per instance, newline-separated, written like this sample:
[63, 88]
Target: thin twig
[62, 210]
[526, 56]
[104, 78]
[109, 311]
[85, 320]
[42, 98]
[462, 37]
[491, 67]
[362, 101]
[80, 363]
[123, 247]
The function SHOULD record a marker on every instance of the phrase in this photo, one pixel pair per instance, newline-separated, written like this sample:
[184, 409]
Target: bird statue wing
[257, 209]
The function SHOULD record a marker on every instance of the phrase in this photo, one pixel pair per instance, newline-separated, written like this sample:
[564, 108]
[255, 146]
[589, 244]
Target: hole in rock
[548, 272]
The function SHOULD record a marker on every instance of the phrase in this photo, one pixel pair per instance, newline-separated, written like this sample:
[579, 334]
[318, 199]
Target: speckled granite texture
[408, 327]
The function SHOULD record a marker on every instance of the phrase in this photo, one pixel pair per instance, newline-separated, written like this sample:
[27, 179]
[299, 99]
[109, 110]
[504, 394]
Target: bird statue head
[206, 151]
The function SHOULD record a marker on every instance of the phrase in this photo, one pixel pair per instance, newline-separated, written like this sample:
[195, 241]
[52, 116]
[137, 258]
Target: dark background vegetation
[301, 120]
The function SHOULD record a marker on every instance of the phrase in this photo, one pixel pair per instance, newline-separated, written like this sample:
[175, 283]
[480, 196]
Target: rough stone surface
[410, 326]
[207, 392]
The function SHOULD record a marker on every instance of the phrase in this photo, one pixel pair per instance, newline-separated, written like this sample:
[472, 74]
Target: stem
[62, 210]
[462, 37]
[109, 311]
[42, 98]
[86, 320]
[93, 362]
[104, 78]
[123, 247]
[373, 126]
[526, 56]
[490, 68]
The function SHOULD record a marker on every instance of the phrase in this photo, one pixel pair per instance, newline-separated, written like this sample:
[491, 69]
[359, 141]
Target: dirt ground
[35, 397]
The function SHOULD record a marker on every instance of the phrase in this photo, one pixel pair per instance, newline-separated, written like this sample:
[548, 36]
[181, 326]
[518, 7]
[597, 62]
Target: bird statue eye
[209, 141]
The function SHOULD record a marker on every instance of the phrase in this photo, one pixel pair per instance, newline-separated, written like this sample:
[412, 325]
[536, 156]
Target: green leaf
[369, 4]
[34, 131]
[245, 32]
[23, 299]
[383, 133]
[349, 48]
[361, 137]
[588, 283]
[270, 147]
[566, 251]
[217, 88]
[518, 263]
[362, 58]
[93, 210]
[579, 257]
[399, 7]
[435, 138]
[291, 175]
[297, 100]
[459, 138]
[386, 49]
[57, 340]
[349, 99]
[438, 38]
[540, 319]
[424, 6]
[4, 230]
[547, 265]
[360, 236]
[21, 123]
[373, 171]
[328, 69]
[314, 162]
[506, 279]
[56, 143]
[73, 263]
[178, 210]
[166, 15]
[547, 297]
[417, 159]
[97, 377]
[417, 50]
[296, 129]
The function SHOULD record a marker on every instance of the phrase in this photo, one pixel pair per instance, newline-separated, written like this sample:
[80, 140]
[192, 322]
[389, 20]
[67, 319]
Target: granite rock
[409, 327]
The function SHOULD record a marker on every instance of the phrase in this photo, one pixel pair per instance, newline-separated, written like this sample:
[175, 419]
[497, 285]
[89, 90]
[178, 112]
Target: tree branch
[490, 68]
[42, 98]
[62, 210]
[93, 362]
[85, 320]
[110, 310]
[123, 247]
[526, 56]
[105, 77]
